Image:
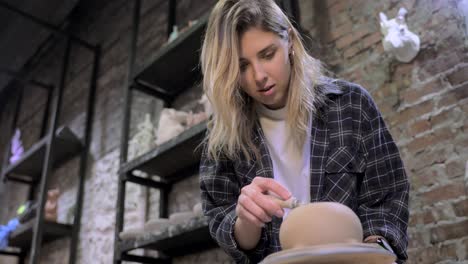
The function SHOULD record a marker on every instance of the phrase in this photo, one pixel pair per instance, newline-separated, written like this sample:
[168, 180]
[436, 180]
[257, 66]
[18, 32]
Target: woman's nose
[260, 75]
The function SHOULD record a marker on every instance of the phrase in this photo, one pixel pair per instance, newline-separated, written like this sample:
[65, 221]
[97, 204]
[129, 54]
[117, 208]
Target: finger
[290, 203]
[253, 208]
[263, 201]
[245, 215]
[270, 185]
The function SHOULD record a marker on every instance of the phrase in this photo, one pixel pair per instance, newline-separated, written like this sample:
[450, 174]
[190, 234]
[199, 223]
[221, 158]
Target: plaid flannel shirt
[354, 161]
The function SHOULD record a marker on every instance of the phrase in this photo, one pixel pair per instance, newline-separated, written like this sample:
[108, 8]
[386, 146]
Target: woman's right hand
[255, 205]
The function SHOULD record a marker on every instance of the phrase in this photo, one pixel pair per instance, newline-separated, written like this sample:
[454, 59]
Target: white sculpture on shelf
[398, 40]
[156, 226]
[180, 217]
[144, 138]
[198, 209]
[171, 124]
[16, 147]
[174, 34]
[206, 105]
[197, 118]
[132, 233]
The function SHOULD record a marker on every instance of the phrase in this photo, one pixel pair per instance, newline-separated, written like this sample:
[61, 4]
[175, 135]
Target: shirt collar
[277, 114]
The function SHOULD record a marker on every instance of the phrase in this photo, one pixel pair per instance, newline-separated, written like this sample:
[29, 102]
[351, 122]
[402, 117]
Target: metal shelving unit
[55, 146]
[172, 161]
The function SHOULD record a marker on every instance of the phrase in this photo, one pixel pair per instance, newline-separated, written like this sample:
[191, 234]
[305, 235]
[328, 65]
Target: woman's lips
[267, 90]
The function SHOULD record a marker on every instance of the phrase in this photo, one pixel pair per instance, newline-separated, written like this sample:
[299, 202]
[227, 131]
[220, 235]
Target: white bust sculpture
[143, 139]
[398, 40]
[171, 124]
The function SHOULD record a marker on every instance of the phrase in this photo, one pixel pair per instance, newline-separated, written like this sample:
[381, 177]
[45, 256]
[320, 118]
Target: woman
[281, 128]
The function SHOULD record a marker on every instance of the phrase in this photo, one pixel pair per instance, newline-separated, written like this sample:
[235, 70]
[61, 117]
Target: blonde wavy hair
[232, 127]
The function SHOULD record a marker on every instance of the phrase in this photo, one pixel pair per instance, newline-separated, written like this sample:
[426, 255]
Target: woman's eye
[243, 67]
[269, 55]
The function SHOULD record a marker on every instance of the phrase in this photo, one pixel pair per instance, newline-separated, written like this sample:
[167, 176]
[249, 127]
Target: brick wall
[424, 103]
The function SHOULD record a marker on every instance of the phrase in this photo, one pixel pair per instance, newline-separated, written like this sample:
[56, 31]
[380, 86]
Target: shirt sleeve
[219, 192]
[383, 199]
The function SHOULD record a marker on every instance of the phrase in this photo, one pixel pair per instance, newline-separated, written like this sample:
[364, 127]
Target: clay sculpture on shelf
[28, 211]
[174, 34]
[197, 209]
[207, 108]
[156, 226]
[51, 205]
[171, 124]
[143, 140]
[131, 233]
[17, 149]
[196, 118]
[180, 217]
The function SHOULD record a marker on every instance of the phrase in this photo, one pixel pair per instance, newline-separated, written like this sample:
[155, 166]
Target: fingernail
[279, 213]
[268, 219]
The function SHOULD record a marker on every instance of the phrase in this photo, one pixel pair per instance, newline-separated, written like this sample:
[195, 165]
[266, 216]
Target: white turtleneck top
[291, 165]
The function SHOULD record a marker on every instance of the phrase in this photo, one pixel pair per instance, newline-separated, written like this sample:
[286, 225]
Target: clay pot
[320, 223]
[325, 233]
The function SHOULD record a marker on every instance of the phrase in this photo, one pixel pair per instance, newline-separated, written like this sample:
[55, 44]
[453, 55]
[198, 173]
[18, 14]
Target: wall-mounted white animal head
[398, 40]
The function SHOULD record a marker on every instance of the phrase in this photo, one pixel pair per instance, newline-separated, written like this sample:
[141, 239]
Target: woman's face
[265, 68]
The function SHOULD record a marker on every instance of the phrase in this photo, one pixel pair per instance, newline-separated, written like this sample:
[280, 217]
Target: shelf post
[45, 118]
[84, 157]
[46, 169]
[119, 221]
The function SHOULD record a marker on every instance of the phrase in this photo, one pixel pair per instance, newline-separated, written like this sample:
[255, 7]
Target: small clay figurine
[194, 119]
[180, 217]
[156, 226]
[143, 140]
[208, 109]
[16, 147]
[174, 34]
[131, 233]
[51, 205]
[197, 209]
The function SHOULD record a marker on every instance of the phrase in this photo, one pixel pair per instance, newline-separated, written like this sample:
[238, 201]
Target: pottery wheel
[333, 254]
